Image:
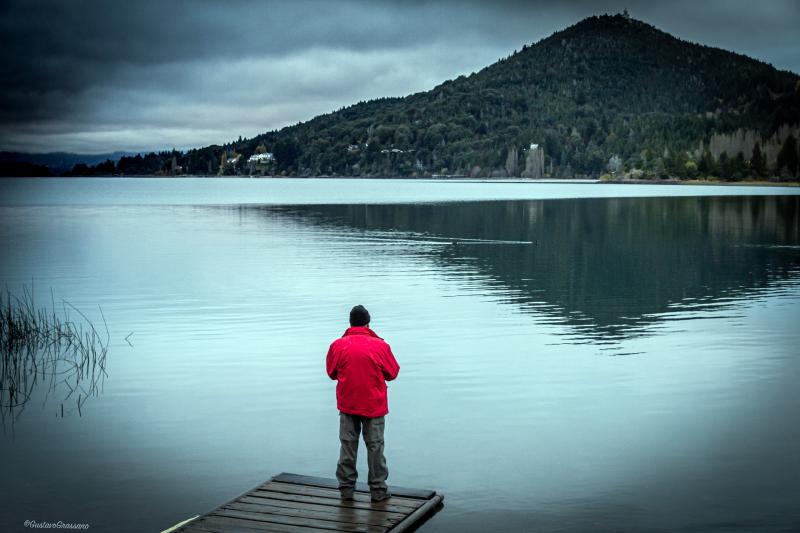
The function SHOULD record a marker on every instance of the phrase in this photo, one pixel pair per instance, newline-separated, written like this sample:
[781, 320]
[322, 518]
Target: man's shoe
[347, 496]
[380, 497]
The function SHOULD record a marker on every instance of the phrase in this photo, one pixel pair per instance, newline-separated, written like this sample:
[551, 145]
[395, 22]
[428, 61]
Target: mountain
[52, 162]
[609, 94]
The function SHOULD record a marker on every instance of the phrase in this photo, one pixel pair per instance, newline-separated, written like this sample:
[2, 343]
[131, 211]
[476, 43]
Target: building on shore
[261, 163]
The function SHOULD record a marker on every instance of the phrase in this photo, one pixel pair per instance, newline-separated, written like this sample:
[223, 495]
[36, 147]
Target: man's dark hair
[359, 316]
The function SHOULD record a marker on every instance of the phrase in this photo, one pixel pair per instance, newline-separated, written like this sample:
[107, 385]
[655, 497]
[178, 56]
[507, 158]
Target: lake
[574, 357]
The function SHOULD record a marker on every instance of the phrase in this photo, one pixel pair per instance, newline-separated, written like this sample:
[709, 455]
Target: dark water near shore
[573, 357]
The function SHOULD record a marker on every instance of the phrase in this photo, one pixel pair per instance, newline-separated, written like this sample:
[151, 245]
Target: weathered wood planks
[292, 503]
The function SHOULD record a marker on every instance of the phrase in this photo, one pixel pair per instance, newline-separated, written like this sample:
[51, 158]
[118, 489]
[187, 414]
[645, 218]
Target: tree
[286, 151]
[106, 168]
[690, 168]
[403, 136]
[787, 157]
[80, 169]
[676, 163]
[725, 166]
[614, 164]
[20, 169]
[659, 171]
[758, 163]
[707, 166]
[738, 167]
[384, 134]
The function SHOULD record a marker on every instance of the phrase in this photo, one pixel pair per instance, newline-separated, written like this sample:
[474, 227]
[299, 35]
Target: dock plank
[333, 484]
[293, 503]
[299, 521]
[358, 503]
[337, 514]
[334, 493]
[321, 508]
[218, 524]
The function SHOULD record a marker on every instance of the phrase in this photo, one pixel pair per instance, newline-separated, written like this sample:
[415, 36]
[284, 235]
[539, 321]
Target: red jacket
[362, 362]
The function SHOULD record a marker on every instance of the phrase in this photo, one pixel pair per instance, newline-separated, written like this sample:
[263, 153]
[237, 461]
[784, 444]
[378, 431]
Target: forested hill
[608, 95]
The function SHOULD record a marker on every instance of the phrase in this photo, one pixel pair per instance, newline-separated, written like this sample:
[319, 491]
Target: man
[361, 362]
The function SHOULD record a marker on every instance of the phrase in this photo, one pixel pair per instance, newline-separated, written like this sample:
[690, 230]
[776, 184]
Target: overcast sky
[95, 77]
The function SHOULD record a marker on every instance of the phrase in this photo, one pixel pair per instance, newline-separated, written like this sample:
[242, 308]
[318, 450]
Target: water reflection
[609, 268]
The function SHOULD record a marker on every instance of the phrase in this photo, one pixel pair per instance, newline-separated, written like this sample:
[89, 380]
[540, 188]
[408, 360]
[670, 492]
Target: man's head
[359, 316]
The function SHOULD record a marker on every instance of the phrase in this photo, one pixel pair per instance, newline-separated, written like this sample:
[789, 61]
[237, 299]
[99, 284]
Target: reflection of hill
[605, 266]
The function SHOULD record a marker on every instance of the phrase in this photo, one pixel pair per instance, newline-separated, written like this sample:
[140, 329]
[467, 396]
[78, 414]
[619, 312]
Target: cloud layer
[141, 75]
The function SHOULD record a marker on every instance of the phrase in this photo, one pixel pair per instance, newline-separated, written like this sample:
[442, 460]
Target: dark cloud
[139, 75]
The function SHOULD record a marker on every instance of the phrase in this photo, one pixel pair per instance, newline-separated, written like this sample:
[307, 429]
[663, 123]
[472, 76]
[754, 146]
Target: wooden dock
[291, 503]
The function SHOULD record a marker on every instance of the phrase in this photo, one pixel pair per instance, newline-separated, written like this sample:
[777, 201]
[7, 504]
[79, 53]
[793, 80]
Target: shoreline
[745, 183]
[460, 179]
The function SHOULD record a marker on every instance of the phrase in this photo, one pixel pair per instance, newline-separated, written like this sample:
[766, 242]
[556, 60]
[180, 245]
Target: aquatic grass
[45, 345]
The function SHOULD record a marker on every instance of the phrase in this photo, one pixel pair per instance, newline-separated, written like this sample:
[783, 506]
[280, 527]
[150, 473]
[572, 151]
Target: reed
[45, 345]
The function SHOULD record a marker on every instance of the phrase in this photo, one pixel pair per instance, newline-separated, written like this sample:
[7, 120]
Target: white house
[266, 157]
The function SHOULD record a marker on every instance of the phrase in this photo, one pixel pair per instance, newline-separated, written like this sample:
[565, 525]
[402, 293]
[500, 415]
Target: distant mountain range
[609, 95]
[55, 163]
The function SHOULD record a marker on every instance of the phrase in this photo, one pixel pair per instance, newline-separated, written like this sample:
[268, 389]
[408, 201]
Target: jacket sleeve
[390, 367]
[330, 363]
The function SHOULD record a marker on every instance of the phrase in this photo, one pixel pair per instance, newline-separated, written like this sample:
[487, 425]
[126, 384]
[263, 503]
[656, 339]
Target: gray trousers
[350, 426]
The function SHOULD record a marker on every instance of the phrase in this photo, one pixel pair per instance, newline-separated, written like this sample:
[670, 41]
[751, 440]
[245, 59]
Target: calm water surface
[573, 357]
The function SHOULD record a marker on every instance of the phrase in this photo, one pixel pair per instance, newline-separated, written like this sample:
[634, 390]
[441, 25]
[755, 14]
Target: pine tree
[707, 166]
[724, 166]
[787, 157]
[738, 167]
[758, 164]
